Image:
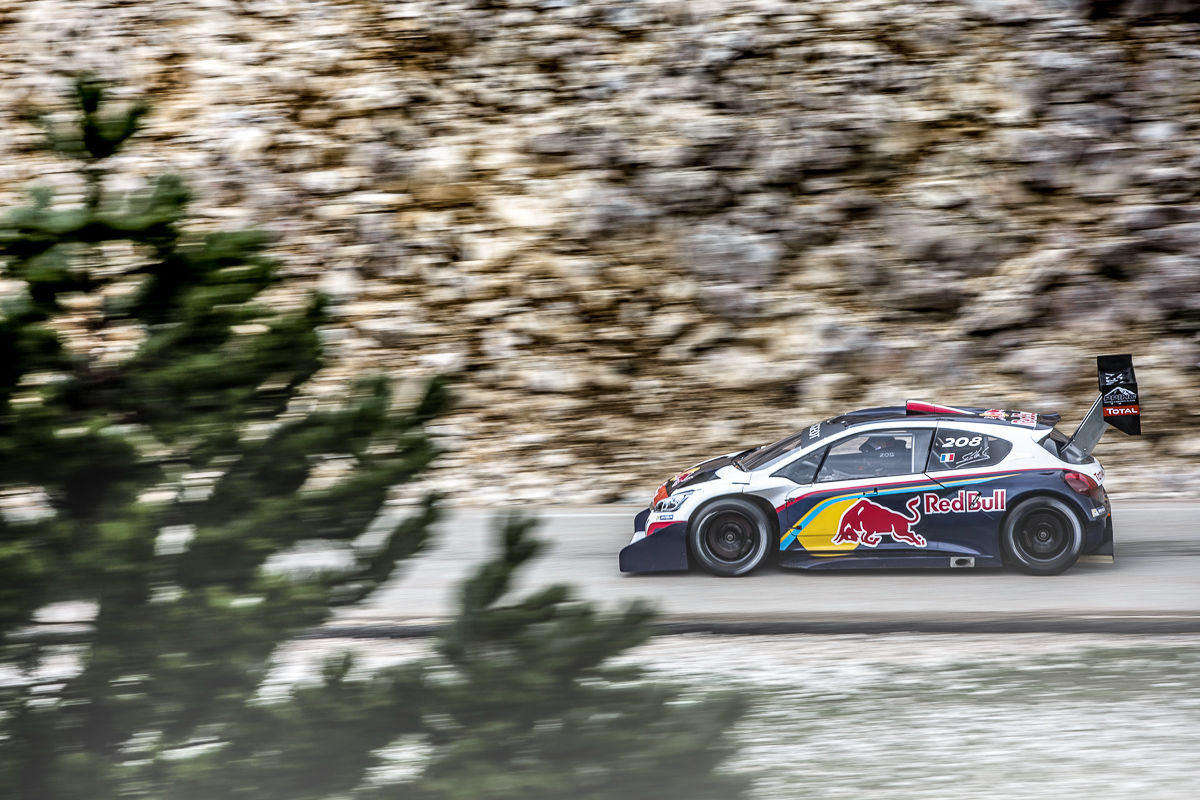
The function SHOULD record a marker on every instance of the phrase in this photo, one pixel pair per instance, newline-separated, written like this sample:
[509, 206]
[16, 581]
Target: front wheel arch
[719, 550]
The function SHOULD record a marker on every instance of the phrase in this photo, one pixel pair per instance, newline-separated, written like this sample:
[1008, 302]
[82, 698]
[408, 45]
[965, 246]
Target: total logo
[1122, 411]
[867, 522]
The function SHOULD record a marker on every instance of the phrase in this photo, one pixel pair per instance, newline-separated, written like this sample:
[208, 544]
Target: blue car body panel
[639, 521]
[665, 551]
[930, 519]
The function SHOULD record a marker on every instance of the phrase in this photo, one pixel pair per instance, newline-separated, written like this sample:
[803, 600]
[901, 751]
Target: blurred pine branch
[159, 484]
[192, 431]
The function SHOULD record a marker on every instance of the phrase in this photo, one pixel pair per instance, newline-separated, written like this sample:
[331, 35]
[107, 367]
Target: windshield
[766, 454]
[770, 452]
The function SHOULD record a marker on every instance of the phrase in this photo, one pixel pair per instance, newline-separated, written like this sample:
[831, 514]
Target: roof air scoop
[1026, 418]
[913, 407]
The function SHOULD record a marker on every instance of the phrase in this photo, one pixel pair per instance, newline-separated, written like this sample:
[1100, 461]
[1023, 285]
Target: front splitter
[664, 551]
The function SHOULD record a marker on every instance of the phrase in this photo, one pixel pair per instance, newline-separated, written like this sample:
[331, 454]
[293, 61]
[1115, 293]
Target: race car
[918, 485]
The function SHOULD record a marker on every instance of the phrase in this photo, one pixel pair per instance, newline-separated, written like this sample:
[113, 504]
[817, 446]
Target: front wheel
[729, 537]
[1042, 536]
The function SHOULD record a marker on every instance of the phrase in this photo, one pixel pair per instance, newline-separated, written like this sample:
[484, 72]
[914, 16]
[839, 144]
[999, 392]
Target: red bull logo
[965, 502]
[866, 523]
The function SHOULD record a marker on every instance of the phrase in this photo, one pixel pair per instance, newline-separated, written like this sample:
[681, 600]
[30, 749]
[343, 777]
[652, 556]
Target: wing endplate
[1119, 397]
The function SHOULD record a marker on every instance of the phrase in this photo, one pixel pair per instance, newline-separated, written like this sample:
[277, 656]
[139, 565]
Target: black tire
[729, 537]
[1042, 536]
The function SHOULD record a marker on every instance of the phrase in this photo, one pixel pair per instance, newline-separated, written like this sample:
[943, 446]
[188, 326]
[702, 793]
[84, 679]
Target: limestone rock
[726, 253]
[607, 217]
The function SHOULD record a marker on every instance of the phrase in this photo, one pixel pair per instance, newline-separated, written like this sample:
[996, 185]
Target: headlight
[673, 502]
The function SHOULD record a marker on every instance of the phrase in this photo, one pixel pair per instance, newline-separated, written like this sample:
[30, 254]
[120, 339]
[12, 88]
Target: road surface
[1152, 587]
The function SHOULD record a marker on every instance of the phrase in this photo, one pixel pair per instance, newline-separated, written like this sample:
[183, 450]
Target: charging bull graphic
[866, 522]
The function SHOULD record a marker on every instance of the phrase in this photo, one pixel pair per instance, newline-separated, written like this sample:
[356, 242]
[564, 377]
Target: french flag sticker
[946, 457]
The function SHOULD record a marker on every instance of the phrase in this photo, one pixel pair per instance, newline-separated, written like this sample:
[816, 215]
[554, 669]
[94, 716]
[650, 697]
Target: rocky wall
[645, 232]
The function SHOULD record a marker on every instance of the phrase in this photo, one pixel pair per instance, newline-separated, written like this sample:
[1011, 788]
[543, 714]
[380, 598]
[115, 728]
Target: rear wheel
[1042, 536]
[729, 537]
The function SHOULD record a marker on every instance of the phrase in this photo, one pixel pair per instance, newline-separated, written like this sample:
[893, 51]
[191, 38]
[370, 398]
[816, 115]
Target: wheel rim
[1044, 535]
[729, 537]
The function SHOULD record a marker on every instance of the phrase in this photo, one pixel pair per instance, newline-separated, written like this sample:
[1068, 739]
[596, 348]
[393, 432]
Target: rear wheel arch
[1023, 557]
[1062, 497]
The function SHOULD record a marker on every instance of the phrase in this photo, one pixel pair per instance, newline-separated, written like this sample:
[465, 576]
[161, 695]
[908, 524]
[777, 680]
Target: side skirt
[882, 561]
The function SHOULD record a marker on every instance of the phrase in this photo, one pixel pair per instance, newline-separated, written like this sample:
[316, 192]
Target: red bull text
[964, 502]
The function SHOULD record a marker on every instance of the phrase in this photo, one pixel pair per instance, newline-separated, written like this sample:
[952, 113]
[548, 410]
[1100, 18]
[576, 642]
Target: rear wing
[1118, 405]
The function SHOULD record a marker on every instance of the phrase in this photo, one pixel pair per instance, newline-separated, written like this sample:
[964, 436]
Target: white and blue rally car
[919, 485]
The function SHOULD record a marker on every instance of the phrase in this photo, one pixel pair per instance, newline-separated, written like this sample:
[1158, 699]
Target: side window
[802, 470]
[878, 454]
[958, 449]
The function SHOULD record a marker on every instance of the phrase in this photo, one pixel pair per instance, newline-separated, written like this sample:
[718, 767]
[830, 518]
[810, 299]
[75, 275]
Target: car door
[964, 509]
[864, 495]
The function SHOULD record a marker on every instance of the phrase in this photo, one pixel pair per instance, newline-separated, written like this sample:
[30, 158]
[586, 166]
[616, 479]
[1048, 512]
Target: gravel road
[1153, 586]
